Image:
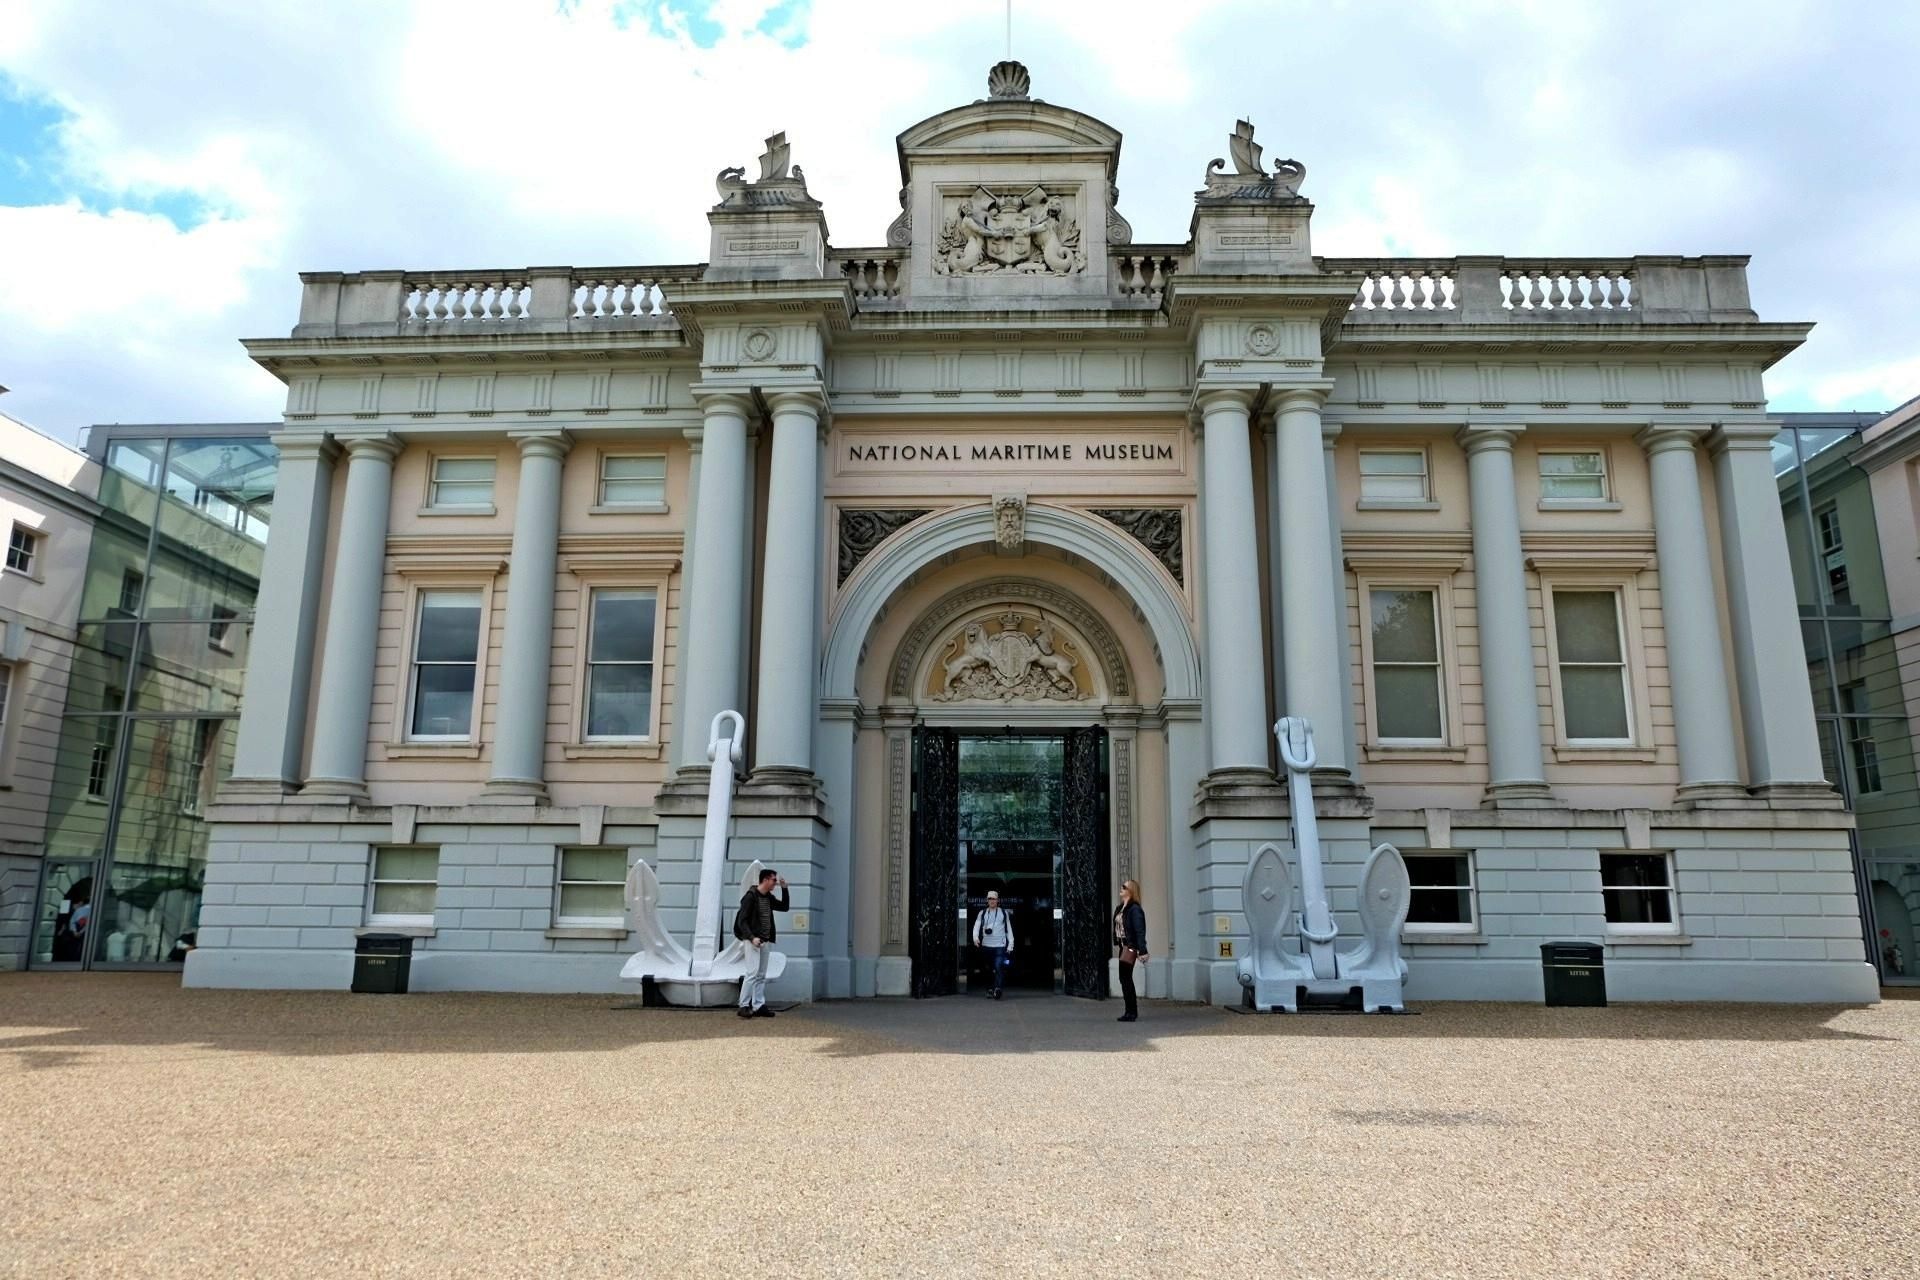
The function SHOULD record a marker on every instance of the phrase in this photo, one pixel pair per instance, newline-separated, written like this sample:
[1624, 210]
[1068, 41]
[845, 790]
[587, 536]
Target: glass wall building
[153, 694]
[1859, 670]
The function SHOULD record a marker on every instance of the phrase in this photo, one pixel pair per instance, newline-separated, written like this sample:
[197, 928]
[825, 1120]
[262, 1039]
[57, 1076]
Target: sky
[167, 167]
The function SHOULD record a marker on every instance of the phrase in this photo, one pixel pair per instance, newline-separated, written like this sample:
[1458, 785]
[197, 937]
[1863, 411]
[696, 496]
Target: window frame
[1672, 888]
[1863, 749]
[420, 601]
[1607, 501]
[1412, 930]
[1368, 501]
[1409, 570]
[654, 568]
[440, 572]
[434, 506]
[220, 627]
[652, 662]
[32, 543]
[1618, 573]
[560, 882]
[603, 507]
[413, 920]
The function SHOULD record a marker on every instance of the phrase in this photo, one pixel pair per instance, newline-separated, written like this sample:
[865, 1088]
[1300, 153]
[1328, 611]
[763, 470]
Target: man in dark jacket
[753, 925]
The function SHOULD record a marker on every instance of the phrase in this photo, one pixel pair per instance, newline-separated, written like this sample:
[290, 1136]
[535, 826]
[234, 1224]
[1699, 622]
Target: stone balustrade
[524, 300]
[1496, 290]
[875, 274]
[1141, 272]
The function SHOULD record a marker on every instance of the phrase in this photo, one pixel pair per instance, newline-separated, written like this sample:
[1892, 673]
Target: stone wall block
[516, 940]
[299, 916]
[335, 938]
[269, 895]
[1787, 949]
[259, 937]
[336, 895]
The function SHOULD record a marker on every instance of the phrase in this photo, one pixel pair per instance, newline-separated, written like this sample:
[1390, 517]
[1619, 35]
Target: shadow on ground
[48, 1020]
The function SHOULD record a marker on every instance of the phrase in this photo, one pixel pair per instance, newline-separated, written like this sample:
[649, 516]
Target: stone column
[353, 622]
[1315, 671]
[526, 652]
[710, 638]
[1515, 777]
[1236, 681]
[1702, 711]
[273, 708]
[1769, 657]
[789, 630]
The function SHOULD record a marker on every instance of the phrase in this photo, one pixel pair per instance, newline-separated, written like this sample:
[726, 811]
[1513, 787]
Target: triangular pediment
[999, 128]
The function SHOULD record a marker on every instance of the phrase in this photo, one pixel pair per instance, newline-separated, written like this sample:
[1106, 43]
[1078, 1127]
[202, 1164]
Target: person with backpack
[993, 934]
[753, 925]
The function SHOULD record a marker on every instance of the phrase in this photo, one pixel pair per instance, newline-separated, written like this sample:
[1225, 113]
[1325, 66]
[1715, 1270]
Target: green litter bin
[381, 964]
[1574, 973]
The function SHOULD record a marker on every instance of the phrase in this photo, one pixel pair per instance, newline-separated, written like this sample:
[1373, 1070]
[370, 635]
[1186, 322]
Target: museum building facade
[1011, 538]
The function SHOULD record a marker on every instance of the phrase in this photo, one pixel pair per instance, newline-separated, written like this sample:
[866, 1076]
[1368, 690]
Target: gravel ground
[152, 1131]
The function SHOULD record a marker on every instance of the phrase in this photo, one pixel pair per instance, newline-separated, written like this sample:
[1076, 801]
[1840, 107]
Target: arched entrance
[1076, 650]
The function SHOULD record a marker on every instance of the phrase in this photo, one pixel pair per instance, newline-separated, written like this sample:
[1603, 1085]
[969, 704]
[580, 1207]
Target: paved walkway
[153, 1131]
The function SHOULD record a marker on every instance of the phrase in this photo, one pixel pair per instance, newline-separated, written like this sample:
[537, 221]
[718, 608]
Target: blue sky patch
[33, 170]
[785, 22]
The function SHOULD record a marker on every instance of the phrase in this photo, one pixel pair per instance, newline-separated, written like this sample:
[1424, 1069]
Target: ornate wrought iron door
[934, 887]
[1087, 914]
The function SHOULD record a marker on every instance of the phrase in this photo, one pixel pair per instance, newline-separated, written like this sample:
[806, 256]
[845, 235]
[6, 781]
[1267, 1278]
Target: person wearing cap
[993, 934]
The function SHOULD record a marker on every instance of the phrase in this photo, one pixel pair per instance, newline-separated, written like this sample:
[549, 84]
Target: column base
[1797, 795]
[255, 790]
[1239, 793]
[340, 790]
[1338, 784]
[512, 791]
[1520, 795]
[1713, 795]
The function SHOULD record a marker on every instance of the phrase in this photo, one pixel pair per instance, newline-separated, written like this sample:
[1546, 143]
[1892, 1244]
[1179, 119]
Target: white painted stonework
[1017, 468]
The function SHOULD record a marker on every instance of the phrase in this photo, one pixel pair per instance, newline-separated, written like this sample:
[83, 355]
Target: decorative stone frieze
[1015, 657]
[1158, 529]
[990, 231]
[864, 528]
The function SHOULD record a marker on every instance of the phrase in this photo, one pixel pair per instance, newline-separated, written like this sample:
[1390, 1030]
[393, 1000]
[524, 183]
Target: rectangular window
[1406, 666]
[1442, 893]
[1393, 475]
[632, 481]
[193, 779]
[461, 483]
[1833, 554]
[132, 583]
[220, 629]
[404, 882]
[1863, 752]
[1573, 476]
[22, 545]
[6, 694]
[620, 664]
[1637, 889]
[446, 655]
[593, 886]
[1593, 667]
[106, 734]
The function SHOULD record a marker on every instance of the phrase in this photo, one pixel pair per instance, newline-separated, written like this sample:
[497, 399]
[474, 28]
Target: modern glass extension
[153, 695]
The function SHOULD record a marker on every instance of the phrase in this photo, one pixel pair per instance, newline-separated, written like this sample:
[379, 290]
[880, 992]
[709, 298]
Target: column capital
[384, 446]
[724, 399]
[1220, 399]
[787, 399]
[1728, 436]
[1666, 437]
[1478, 439]
[1299, 395]
[542, 442]
[305, 446]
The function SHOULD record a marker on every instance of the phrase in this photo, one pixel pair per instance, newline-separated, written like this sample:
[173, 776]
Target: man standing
[993, 933]
[753, 925]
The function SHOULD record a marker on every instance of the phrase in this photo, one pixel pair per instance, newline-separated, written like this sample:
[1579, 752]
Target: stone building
[1011, 537]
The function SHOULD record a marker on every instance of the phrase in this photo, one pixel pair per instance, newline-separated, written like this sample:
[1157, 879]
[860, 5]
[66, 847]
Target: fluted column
[789, 585]
[353, 621]
[1515, 776]
[1236, 684]
[1769, 656]
[1315, 672]
[711, 642]
[273, 708]
[526, 656]
[1702, 711]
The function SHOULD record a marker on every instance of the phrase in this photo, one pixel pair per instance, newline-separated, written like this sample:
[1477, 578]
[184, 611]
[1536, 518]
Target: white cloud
[360, 134]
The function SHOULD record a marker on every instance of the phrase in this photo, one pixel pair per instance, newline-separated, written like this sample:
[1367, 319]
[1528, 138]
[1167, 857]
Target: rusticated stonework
[864, 528]
[1158, 529]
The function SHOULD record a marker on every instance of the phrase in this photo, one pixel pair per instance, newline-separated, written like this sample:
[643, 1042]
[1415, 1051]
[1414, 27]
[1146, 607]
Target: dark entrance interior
[1023, 813]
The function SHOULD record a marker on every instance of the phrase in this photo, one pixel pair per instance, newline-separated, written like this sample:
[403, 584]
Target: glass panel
[445, 469]
[152, 906]
[449, 627]
[130, 482]
[1432, 869]
[1589, 488]
[403, 899]
[406, 864]
[1638, 906]
[443, 700]
[1596, 702]
[101, 658]
[1010, 788]
[65, 917]
[1619, 870]
[1895, 888]
[594, 864]
[213, 527]
[622, 626]
[1396, 462]
[1409, 702]
[1403, 629]
[177, 670]
[1440, 906]
[633, 480]
[620, 701]
[117, 554]
[1587, 626]
[1394, 488]
[592, 902]
[1571, 464]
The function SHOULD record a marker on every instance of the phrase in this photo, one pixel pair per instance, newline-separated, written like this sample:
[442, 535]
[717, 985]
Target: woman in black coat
[1130, 935]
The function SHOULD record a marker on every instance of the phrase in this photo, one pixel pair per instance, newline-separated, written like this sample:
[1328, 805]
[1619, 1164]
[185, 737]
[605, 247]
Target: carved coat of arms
[1027, 232]
[1008, 664]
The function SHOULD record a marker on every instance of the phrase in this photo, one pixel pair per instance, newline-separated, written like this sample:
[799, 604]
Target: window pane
[1570, 464]
[620, 701]
[622, 627]
[1394, 488]
[1433, 869]
[1409, 462]
[463, 469]
[449, 627]
[1587, 626]
[632, 480]
[592, 901]
[1632, 870]
[1440, 906]
[594, 864]
[1638, 906]
[406, 864]
[1403, 628]
[403, 899]
[1574, 487]
[616, 467]
[443, 700]
[1596, 702]
[1409, 699]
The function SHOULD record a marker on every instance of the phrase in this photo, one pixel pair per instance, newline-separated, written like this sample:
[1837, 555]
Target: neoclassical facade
[1011, 538]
